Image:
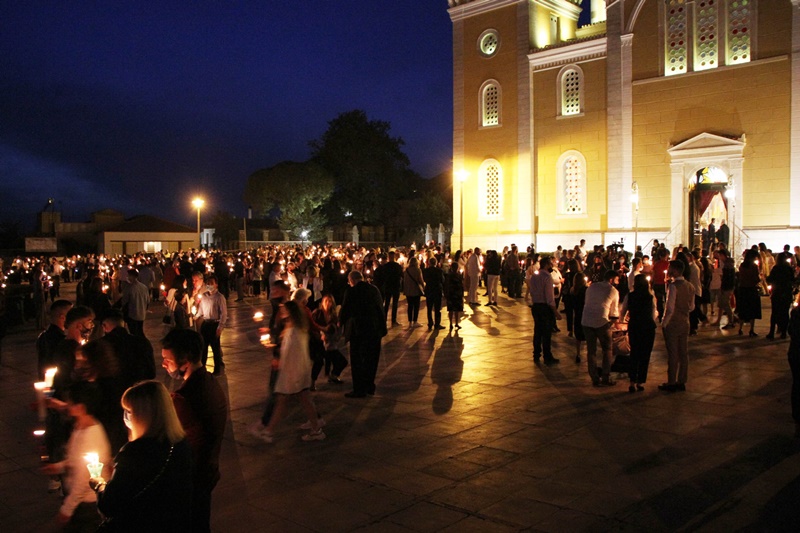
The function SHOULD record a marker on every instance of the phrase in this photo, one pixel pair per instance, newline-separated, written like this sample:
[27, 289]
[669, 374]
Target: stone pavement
[466, 433]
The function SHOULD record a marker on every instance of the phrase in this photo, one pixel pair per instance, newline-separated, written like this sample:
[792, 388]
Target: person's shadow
[446, 371]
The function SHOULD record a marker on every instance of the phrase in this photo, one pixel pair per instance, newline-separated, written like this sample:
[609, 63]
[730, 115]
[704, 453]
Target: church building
[633, 120]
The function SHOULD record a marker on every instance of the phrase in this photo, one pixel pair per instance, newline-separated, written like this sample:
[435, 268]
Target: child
[79, 510]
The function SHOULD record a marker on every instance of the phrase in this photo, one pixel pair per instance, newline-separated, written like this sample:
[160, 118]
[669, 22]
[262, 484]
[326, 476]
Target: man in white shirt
[680, 302]
[136, 297]
[599, 315]
[474, 274]
[545, 313]
[212, 311]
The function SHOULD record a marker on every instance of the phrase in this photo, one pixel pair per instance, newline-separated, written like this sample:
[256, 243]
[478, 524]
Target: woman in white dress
[294, 377]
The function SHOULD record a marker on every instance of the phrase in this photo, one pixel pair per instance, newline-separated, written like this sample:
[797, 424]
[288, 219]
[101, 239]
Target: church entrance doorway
[707, 203]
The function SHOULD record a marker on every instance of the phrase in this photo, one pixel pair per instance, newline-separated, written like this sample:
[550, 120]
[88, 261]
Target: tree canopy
[368, 166]
[297, 190]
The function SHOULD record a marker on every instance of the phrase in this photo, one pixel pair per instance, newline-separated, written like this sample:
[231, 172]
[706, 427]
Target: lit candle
[49, 374]
[259, 316]
[40, 386]
[93, 464]
[265, 338]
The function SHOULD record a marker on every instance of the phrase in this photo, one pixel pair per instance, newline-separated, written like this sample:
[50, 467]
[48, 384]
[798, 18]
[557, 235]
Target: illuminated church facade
[643, 121]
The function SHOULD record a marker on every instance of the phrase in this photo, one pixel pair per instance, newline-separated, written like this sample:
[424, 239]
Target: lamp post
[730, 194]
[635, 202]
[462, 177]
[303, 235]
[198, 204]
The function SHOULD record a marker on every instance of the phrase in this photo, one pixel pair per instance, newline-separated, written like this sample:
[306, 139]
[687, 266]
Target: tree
[226, 228]
[369, 168]
[297, 190]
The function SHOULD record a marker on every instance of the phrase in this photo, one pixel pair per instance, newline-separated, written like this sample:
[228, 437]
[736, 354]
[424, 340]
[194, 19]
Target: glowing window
[490, 104]
[491, 190]
[740, 20]
[571, 90]
[706, 34]
[571, 183]
[676, 43]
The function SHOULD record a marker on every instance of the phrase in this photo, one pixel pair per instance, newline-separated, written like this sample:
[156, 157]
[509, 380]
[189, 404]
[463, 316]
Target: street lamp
[635, 202]
[303, 235]
[198, 204]
[730, 194]
[462, 177]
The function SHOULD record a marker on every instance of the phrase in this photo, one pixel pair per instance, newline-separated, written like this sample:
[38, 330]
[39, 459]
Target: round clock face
[488, 43]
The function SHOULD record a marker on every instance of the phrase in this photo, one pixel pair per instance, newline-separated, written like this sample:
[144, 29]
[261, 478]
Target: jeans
[602, 334]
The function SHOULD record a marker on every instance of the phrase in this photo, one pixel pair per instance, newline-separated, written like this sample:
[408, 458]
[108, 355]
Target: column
[794, 169]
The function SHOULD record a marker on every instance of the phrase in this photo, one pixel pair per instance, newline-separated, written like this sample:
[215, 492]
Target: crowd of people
[161, 450]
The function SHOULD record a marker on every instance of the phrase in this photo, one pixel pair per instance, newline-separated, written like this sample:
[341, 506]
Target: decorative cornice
[559, 7]
[570, 53]
[461, 9]
[626, 40]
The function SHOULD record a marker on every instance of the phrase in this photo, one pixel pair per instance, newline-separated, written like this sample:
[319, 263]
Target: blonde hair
[151, 404]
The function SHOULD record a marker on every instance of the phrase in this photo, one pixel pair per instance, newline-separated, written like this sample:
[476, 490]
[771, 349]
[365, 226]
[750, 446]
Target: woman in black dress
[640, 305]
[579, 284]
[454, 294]
[151, 488]
[748, 302]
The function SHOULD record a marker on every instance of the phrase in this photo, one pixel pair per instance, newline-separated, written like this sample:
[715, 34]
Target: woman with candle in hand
[79, 510]
[151, 489]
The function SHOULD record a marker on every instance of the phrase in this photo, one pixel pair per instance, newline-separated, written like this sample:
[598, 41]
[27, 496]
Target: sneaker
[307, 424]
[314, 435]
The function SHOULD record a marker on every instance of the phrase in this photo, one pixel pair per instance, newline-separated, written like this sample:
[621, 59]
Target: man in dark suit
[712, 236]
[365, 324]
[390, 275]
[134, 353]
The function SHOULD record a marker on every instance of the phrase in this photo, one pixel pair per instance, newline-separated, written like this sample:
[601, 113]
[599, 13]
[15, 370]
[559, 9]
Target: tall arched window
[570, 90]
[571, 184]
[490, 103]
[490, 201]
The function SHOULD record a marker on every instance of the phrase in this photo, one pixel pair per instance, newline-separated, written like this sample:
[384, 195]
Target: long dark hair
[297, 315]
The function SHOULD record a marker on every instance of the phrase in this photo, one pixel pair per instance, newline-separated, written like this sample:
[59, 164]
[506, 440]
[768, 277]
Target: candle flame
[92, 457]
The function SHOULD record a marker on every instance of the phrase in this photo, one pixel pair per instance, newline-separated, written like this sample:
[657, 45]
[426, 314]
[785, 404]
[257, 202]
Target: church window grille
[740, 20]
[571, 195]
[706, 35]
[490, 104]
[491, 190]
[676, 45]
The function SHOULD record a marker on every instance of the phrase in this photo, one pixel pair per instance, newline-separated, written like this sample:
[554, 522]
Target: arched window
[490, 201]
[490, 103]
[570, 90]
[571, 184]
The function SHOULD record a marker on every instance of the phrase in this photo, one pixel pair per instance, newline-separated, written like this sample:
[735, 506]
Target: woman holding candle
[78, 511]
[294, 377]
[151, 489]
[748, 302]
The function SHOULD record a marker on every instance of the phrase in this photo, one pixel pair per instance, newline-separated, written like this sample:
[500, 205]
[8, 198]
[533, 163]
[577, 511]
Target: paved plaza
[466, 433]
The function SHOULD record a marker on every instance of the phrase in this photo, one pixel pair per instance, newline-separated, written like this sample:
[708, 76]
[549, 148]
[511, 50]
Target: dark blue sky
[138, 106]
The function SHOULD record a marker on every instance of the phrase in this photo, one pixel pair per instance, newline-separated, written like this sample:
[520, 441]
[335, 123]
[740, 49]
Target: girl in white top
[294, 375]
[79, 508]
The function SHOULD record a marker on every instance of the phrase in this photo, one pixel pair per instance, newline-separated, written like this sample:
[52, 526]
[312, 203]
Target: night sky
[138, 106]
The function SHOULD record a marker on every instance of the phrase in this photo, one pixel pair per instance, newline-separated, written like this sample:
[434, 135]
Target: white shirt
[76, 479]
[602, 300]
